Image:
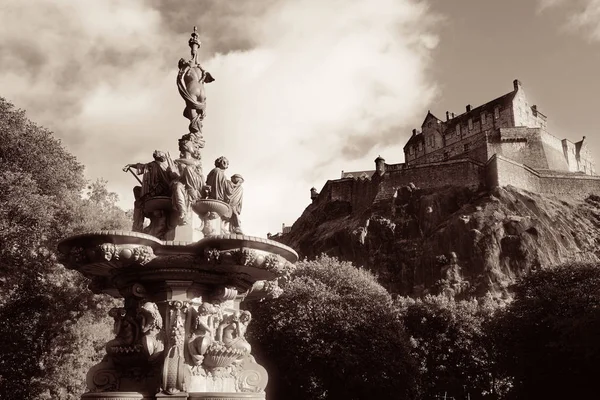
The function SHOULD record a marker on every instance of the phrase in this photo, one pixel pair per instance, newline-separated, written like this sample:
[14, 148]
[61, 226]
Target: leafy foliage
[46, 311]
[450, 341]
[548, 337]
[333, 334]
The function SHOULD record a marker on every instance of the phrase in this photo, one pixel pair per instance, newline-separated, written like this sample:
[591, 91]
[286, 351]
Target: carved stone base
[226, 396]
[117, 396]
[176, 396]
[246, 377]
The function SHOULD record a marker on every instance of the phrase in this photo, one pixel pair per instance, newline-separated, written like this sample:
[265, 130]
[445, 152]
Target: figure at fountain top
[190, 82]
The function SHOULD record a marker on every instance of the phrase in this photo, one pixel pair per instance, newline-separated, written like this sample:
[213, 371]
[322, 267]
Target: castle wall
[555, 155]
[449, 173]
[473, 147]
[359, 192]
[520, 144]
[341, 189]
[570, 153]
[501, 171]
[586, 163]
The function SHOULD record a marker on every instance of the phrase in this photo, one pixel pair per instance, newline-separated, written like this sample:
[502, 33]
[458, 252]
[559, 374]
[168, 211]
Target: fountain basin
[116, 260]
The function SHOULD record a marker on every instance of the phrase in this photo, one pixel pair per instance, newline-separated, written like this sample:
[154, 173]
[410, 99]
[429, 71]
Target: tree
[45, 309]
[333, 334]
[548, 336]
[449, 339]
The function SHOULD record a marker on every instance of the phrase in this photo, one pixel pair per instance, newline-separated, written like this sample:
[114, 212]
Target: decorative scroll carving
[252, 377]
[102, 378]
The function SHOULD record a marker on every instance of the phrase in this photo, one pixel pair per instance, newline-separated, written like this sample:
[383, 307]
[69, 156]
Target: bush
[333, 334]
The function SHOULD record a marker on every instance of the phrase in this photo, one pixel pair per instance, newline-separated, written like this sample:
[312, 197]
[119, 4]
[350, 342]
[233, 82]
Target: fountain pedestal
[180, 332]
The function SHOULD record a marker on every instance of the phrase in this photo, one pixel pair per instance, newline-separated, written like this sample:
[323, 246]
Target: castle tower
[380, 165]
[314, 195]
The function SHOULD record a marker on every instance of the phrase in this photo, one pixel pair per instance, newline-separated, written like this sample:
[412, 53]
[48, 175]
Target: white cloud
[304, 88]
[547, 4]
[583, 16]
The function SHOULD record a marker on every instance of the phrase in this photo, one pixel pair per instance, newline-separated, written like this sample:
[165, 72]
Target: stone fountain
[182, 272]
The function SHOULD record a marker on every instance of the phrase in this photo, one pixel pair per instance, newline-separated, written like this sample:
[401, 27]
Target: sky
[304, 88]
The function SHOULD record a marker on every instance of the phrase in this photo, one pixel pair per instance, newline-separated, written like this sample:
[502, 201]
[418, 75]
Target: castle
[502, 142]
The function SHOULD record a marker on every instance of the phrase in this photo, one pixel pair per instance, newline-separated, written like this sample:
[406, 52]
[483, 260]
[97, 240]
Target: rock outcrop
[467, 241]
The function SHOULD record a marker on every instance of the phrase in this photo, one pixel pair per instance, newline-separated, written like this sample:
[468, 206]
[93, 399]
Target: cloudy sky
[304, 88]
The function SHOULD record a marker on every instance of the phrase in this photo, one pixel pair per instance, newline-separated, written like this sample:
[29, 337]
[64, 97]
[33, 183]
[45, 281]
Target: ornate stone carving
[252, 377]
[126, 330]
[190, 83]
[155, 182]
[245, 257]
[102, 378]
[266, 289]
[138, 332]
[232, 332]
[108, 251]
[186, 176]
[212, 255]
[205, 320]
[175, 374]
[220, 188]
[151, 329]
[127, 254]
[278, 265]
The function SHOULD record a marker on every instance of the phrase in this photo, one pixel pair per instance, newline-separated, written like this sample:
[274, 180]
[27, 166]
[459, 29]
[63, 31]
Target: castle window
[482, 118]
[470, 124]
[458, 130]
[446, 155]
[496, 112]
[466, 147]
[431, 141]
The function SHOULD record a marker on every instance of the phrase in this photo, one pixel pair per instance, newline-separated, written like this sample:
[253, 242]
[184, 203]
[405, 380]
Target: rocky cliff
[455, 238]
